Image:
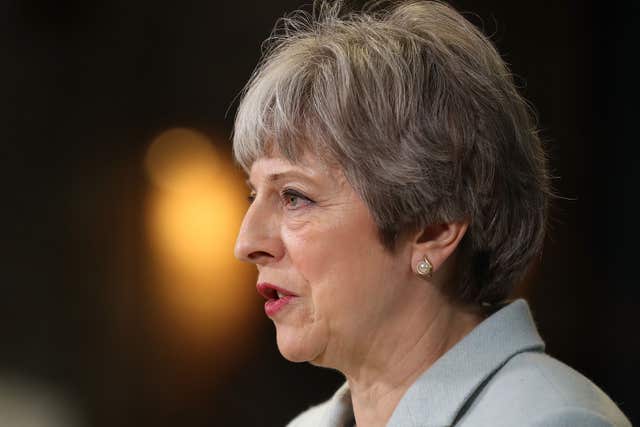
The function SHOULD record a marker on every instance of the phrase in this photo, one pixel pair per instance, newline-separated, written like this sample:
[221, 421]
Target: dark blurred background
[90, 329]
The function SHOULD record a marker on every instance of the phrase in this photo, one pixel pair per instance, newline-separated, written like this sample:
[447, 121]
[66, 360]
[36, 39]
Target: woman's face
[314, 240]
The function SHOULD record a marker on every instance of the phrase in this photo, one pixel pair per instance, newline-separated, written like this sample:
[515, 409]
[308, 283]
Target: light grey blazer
[496, 376]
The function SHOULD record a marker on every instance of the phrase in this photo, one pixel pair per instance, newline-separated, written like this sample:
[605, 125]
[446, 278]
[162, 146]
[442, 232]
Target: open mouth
[272, 292]
[277, 298]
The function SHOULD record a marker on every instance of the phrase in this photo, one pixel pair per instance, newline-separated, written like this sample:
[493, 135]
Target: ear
[437, 242]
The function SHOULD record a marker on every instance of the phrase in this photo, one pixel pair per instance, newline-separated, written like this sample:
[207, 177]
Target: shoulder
[312, 417]
[334, 412]
[536, 388]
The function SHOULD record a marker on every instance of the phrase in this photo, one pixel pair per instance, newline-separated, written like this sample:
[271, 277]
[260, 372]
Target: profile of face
[329, 282]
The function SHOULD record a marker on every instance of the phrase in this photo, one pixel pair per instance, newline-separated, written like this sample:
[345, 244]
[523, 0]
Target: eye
[294, 200]
[251, 197]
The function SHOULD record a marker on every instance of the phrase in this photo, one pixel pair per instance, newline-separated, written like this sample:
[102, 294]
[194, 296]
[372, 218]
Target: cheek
[309, 252]
[320, 248]
[338, 263]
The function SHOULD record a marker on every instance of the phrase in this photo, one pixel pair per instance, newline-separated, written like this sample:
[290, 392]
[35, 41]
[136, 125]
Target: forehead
[275, 167]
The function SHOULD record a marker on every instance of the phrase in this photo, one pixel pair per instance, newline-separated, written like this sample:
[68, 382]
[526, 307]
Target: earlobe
[424, 268]
[434, 244]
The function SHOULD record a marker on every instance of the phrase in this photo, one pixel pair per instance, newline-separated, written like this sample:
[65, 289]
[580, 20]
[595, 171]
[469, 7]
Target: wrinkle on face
[333, 258]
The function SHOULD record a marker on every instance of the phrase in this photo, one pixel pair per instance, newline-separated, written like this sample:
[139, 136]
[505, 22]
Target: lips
[277, 297]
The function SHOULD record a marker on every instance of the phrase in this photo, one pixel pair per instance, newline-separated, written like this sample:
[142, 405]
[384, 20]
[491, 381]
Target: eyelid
[293, 192]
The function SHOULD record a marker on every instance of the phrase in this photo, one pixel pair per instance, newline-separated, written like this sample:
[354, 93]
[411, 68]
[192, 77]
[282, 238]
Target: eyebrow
[281, 176]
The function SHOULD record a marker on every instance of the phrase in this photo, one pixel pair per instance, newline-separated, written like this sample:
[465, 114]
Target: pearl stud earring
[424, 268]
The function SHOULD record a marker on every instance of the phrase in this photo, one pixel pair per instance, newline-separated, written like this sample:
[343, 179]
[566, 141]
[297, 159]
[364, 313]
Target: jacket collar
[439, 394]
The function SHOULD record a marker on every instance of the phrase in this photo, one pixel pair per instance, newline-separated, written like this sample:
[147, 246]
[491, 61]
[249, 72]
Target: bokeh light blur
[119, 288]
[195, 207]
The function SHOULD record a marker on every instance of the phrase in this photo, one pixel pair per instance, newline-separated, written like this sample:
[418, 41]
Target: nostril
[259, 255]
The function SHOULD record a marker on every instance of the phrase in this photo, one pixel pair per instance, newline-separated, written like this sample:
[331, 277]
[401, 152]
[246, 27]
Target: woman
[398, 192]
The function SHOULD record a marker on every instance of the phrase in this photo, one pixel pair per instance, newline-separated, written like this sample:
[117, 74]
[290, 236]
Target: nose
[259, 239]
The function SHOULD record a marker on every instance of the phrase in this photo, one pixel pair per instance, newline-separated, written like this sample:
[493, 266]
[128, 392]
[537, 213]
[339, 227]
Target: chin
[293, 356]
[296, 348]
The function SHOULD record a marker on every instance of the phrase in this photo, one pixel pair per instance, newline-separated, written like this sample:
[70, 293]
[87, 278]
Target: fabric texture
[496, 376]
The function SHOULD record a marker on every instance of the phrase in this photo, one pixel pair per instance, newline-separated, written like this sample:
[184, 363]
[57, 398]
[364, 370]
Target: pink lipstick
[277, 298]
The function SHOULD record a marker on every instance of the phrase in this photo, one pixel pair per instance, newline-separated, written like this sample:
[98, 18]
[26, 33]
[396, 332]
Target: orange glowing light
[195, 211]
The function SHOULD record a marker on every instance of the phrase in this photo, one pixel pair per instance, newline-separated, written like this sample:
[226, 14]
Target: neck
[407, 346]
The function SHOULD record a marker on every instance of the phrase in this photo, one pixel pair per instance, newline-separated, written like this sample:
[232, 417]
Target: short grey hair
[421, 113]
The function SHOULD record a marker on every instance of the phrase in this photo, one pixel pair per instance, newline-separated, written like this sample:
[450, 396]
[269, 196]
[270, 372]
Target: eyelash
[284, 194]
[288, 192]
[251, 197]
